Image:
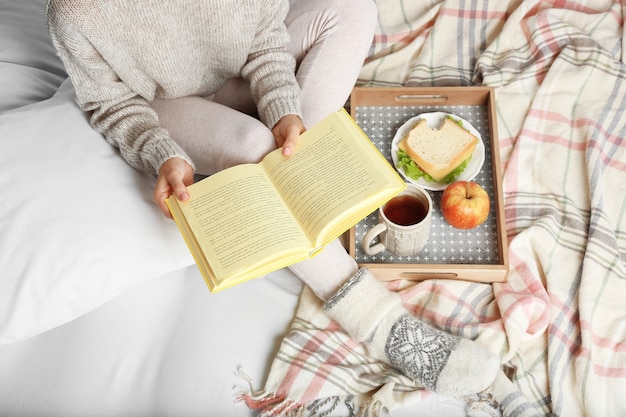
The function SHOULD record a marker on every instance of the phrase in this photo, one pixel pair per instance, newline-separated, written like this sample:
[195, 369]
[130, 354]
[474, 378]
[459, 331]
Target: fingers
[287, 131]
[180, 190]
[174, 176]
[290, 144]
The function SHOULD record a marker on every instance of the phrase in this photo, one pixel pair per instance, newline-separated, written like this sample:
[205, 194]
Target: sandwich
[438, 155]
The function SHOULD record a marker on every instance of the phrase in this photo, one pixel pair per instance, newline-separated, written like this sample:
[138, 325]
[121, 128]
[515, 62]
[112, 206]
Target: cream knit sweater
[121, 54]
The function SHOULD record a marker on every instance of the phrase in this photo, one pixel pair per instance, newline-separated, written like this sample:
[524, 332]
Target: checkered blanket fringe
[272, 405]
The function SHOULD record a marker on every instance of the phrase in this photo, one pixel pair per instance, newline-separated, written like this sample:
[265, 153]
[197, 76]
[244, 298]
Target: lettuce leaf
[413, 171]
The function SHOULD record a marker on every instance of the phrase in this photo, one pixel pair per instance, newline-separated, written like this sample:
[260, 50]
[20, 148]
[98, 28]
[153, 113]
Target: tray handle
[418, 98]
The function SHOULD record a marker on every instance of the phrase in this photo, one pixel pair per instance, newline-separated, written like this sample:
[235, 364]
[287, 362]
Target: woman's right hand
[174, 177]
[287, 131]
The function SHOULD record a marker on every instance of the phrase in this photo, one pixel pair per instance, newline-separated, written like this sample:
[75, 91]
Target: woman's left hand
[286, 133]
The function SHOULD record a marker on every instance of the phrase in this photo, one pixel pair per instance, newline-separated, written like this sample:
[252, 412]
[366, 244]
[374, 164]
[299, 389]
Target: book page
[337, 173]
[240, 220]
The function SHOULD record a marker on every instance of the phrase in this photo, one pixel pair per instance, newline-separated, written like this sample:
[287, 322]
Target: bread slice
[439, 151]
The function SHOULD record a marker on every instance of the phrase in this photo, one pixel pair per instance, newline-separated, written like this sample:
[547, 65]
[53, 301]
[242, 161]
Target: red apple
[465, 204]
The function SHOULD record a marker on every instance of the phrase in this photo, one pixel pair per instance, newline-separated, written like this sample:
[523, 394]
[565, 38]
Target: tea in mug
[403, 224]
[406, 210]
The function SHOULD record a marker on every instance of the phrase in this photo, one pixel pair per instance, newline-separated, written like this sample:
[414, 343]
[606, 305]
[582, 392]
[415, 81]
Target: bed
[103, 312]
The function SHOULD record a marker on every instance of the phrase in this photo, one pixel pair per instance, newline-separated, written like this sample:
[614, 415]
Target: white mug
[404, 224]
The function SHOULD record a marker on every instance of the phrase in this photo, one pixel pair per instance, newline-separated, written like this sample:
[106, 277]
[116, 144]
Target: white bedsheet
[168, 347]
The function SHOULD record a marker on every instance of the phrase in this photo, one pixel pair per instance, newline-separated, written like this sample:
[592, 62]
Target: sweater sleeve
[270, 68]
[124, 118]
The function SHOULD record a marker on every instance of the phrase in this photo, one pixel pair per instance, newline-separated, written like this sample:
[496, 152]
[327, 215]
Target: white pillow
[77, 224]
[30, 69]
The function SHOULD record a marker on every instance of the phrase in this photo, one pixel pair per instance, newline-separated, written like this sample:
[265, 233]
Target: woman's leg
[215, 136]
[330, 40]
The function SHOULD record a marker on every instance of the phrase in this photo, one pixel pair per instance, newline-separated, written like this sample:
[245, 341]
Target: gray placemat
[446, 245]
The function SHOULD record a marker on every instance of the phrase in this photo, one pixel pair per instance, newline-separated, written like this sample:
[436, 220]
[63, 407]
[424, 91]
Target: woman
[184, 86]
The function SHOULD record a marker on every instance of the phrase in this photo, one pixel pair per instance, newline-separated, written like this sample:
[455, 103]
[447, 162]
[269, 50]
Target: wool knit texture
[441, 362]
[122, 54]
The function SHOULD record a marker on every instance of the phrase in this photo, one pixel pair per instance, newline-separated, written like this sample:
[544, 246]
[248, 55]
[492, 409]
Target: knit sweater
[121, 55]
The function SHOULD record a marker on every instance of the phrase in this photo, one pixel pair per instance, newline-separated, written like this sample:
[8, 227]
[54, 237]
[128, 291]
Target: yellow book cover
[252, 219]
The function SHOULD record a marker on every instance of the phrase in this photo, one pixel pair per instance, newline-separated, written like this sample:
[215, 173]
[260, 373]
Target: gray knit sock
[441, 362]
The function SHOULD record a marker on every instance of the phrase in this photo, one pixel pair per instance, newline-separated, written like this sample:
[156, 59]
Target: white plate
[434, 120]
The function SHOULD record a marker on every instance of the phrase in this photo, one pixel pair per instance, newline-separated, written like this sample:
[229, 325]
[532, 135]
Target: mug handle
[369, 237]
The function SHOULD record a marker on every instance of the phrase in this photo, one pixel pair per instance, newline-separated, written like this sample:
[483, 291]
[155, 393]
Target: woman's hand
[286, 133]
[174, 177]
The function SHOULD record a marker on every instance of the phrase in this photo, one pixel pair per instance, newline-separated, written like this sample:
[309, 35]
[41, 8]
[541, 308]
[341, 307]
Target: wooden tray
[479, 254]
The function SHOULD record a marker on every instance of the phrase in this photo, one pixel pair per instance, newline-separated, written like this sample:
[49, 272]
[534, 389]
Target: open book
[251, 219]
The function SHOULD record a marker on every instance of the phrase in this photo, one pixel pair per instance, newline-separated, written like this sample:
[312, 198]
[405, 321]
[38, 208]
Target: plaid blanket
[559, 322]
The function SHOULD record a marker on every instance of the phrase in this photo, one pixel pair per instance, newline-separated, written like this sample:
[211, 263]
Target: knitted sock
[511, 400]
[441, 362]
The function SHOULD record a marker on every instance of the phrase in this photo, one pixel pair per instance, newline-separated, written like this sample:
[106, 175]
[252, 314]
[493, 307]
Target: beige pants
[329, 39]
